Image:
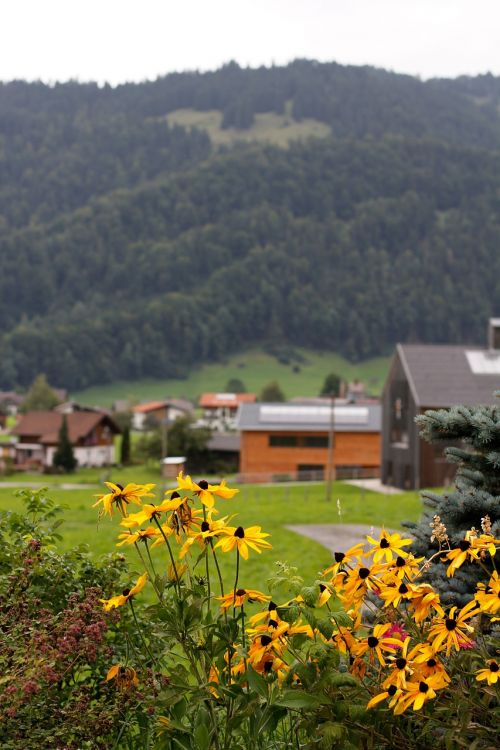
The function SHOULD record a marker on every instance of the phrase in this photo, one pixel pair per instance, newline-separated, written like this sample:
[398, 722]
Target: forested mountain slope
[128, 248]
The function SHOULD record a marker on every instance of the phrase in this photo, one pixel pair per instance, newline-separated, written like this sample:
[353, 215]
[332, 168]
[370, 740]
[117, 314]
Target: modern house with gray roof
[425, 377]
[301, 441]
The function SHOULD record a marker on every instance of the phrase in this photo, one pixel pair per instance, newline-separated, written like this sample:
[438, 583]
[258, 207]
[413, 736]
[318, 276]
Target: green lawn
[270, 507]
[268, 127]
[302, 376]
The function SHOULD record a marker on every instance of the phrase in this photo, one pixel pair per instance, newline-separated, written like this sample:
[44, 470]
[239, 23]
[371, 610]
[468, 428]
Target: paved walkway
[54, 486]
[335, 536]
[375, 485]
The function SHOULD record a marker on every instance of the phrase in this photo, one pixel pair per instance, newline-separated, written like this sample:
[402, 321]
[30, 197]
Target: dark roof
[45, 425]
[441, 376]
[224, 441]
[295, 417]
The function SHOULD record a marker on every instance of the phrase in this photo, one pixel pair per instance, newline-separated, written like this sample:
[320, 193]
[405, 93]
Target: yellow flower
[344, 558]
[376, 643]
[121, 599]
[470, 549]
[208, 529]
[394, 594]
[125, 677]
[358, 582]
[403, 567]
[151, 511]
[392, 692]
[387, 546]
[426, 663]
[488, 595]
[142, 535]
[423, 600]
[416, 694]
[122, 496]
[240, 596]
[489, 673]
[401, 667]
[451, 631]
[204, 490]
[243, 540]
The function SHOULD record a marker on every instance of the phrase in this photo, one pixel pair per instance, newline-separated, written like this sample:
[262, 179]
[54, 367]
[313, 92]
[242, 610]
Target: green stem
[140, 633]
[236, 579]
[169, 552]
[217, 566]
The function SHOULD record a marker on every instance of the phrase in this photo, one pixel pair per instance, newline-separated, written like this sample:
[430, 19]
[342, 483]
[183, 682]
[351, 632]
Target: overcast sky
[125, 40]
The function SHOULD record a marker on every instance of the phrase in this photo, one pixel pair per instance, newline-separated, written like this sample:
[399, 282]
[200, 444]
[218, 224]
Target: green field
[269, 127]
[301, 376]
[270, 507]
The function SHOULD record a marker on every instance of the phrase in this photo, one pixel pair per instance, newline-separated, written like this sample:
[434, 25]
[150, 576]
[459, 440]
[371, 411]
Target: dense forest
[131, 248]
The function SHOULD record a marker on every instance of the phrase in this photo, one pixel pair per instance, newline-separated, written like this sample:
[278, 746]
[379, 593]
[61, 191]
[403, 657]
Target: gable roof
[295, 417]
[442, 376]
[176, 403]
[44, 426]
[214, 400]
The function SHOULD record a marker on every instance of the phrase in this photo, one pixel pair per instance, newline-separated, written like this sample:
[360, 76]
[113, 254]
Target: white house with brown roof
[91, 435]
[161, 412]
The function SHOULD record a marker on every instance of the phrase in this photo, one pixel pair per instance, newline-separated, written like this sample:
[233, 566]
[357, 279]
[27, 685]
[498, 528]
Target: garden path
[336, 537]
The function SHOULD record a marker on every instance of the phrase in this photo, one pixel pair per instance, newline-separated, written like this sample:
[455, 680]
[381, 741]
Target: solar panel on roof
[484, 363]
[313, 414]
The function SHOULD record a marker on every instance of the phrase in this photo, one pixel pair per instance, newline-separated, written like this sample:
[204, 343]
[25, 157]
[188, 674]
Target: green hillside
[302, 376]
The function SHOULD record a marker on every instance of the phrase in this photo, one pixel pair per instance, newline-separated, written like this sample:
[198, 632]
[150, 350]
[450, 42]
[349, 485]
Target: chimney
[494, 334]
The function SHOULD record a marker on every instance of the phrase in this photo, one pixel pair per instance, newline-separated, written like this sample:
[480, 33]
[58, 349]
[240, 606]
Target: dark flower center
[322, 587]
[125, 592]
[203, 484]
[364, 573]
[400, 561]
[339, 556]
[240, 532]
[403, 589]
[240, 592]
[372, 641]
[464, 545]
[120, 486]
[174, 495]
[450, 624]
[431, 662]
[205, 526]
[122, 670]
[401, 663]
[266, 640]
[392, 690]
[272, 606]
[273, 624]
[494, 666]
[423, 687]
[384, 544]
[268, 665]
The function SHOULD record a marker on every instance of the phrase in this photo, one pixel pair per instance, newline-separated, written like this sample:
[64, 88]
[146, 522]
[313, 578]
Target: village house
[91, 434]
[162, 412]
[425, 377]
[220, 409]
[298, 441]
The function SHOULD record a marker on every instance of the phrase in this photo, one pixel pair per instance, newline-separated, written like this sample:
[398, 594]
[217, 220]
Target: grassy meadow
[272, 507]
[301, 376]
[269, 127]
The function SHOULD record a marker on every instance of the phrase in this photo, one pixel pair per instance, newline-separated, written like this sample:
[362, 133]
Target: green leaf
[297, 699]
[202, 737]
[257, 683]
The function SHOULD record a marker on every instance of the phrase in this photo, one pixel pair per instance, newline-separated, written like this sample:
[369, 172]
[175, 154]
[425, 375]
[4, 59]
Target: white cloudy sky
[119, 40]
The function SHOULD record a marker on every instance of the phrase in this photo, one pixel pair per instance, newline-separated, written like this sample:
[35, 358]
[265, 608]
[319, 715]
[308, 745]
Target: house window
[315, 441]
[399, 413]
[310, 472]
[283, 441]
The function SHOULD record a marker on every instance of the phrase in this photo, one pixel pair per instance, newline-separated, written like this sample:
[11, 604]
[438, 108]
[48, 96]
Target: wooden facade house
[220, 409]
[91, 434]
[425, 377]
[292, 441]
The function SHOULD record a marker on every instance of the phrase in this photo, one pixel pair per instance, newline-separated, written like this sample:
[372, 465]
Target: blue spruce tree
[475, 496]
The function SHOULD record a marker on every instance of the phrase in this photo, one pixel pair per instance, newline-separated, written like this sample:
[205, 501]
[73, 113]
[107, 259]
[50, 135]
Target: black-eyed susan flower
[243, 540]
[125, 677]
[471, 548]
[392, 694]
[150, 512]
[204, 490]
[452, 631]
[121, 496]
[208, 530]
[240, 596]
[324, 594]
[141, 535]
[488, 595]
[393, 595]
[427, 663]
[401, 667]
[423, 601]
[121, 599]
[416, 694]
[388, 546]
[360, 580]
[489, 673]
[344, 558]
[271, 613]
[404, 567]
[376, 643]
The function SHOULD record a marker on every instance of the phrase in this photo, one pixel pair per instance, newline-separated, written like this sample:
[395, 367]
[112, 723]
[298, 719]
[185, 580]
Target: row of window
[298, 441]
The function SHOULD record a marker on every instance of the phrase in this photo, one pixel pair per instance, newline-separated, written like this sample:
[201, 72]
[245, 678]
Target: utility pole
[331, 446]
